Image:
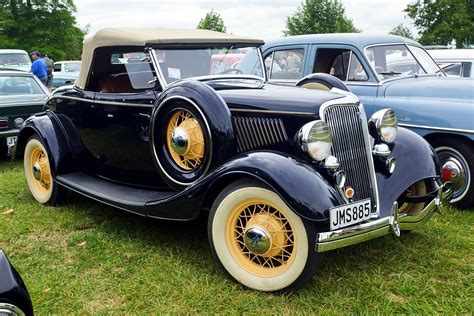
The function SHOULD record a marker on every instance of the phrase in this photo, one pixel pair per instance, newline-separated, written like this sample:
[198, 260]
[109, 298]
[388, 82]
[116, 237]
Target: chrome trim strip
[123, 104]
[156, 65]
[438, 128]
[326, 241]
[101, 101]
[271, 112]
[152, 133]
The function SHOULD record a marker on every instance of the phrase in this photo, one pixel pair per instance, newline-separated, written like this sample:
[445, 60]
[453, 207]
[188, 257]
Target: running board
[120, 196]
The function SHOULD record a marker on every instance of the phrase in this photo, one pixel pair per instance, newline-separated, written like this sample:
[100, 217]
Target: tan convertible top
[154, 36]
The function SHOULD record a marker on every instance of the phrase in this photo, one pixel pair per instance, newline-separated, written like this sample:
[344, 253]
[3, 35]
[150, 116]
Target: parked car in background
[14, 297]
[21, 95]
[15, 59]
[68, 66]
[65, 72]
[63, 79]
[395, 72]
[285, 172]
[455, 62]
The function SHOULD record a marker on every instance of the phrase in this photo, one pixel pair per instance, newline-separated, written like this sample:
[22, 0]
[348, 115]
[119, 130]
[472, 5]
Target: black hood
[271, 97]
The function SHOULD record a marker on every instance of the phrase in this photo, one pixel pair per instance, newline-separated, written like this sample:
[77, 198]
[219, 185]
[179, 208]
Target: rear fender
[416, 160]
[302, 188]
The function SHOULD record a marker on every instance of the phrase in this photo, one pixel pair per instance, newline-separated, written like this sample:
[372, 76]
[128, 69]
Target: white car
[455, 62]
[67, 66]
[15, 59]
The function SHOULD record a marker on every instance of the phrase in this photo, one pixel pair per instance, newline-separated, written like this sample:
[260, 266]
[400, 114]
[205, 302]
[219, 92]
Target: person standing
[38, 67]
[49, 66]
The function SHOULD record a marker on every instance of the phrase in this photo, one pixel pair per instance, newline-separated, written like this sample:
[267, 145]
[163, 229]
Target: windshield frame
[374, 72]
[151, 53]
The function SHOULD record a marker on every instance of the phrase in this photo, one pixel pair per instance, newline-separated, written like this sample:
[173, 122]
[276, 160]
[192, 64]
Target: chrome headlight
[384, 124]
[315, 138]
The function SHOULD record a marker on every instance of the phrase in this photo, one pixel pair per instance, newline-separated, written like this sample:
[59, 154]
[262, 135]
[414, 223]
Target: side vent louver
[258, 132]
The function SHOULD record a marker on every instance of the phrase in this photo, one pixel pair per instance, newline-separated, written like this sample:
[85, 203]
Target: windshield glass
[390, 61]
[15, 85]
[14, 59]
[72, 67]
[230, 61]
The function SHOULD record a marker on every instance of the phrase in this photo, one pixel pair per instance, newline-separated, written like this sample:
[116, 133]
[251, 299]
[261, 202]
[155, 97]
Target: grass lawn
[85, 257]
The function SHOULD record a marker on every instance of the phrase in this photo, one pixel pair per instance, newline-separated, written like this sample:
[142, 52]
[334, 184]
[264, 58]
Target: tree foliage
[440, 21]
[319, 16]
[48, 26]
[402, 30]
[212, 21]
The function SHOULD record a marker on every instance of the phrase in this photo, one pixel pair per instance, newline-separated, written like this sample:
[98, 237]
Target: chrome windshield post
[154, 60]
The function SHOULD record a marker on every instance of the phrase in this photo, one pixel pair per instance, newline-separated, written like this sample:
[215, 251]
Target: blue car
[388, 71]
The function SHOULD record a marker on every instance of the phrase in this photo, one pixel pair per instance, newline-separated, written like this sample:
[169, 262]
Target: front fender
[416, 160]
[50, 132]
[302, 188]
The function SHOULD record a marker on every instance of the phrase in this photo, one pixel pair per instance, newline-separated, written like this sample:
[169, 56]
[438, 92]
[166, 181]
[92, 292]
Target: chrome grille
[258, 132]
[350, 147]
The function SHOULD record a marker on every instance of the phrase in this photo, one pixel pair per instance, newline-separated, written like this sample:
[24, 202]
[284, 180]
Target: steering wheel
[237, 71]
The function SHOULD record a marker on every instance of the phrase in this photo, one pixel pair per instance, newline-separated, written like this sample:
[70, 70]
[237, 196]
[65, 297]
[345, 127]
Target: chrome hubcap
[180, 141]
[257, 240]
[456, 172]
[37, 171]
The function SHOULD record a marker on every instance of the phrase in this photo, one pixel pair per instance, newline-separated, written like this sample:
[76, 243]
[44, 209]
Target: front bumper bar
[326, 241]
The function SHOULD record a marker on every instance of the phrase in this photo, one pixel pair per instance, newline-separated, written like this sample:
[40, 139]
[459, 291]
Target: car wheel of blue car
[259, 240]
[322, 81]
[457, 163]
[38, 173]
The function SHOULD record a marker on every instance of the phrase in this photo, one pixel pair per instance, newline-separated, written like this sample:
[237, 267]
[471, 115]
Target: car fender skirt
[416, 160]
[303, 189]
[46, 126]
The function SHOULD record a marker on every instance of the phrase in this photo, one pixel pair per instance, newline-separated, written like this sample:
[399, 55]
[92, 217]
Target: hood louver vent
[257, 132]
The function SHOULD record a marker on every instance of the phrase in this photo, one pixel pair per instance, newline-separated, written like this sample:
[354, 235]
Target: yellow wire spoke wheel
[260, 241]
[417, 189]
[260, 238]
[185, 140]
[38, 171]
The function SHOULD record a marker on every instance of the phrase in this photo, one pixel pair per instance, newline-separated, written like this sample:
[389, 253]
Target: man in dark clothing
[49, 67]
[38, 67]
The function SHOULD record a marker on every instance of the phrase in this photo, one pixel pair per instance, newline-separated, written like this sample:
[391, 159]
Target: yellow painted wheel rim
[38, 171]
[192, 158]
[262, 214]
[416, 189]
[315, 86]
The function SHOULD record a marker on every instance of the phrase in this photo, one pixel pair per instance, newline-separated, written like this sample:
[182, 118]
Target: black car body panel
[12, 288]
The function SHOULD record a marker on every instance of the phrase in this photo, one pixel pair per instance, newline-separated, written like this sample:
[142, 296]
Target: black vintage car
[285, 173]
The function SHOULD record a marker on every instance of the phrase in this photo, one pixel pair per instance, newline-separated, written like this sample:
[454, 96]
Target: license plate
[349, 214]
[11, 141]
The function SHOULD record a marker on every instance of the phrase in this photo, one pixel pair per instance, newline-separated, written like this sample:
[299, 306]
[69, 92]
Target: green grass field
[84, 257]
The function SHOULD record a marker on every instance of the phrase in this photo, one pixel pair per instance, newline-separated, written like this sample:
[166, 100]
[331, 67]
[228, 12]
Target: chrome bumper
[326, 241]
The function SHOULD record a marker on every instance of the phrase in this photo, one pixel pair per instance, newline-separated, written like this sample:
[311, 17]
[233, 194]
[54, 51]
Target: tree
[319, 16]
[441, 21]
[402, 30]
[48, 26]
[212, 21]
